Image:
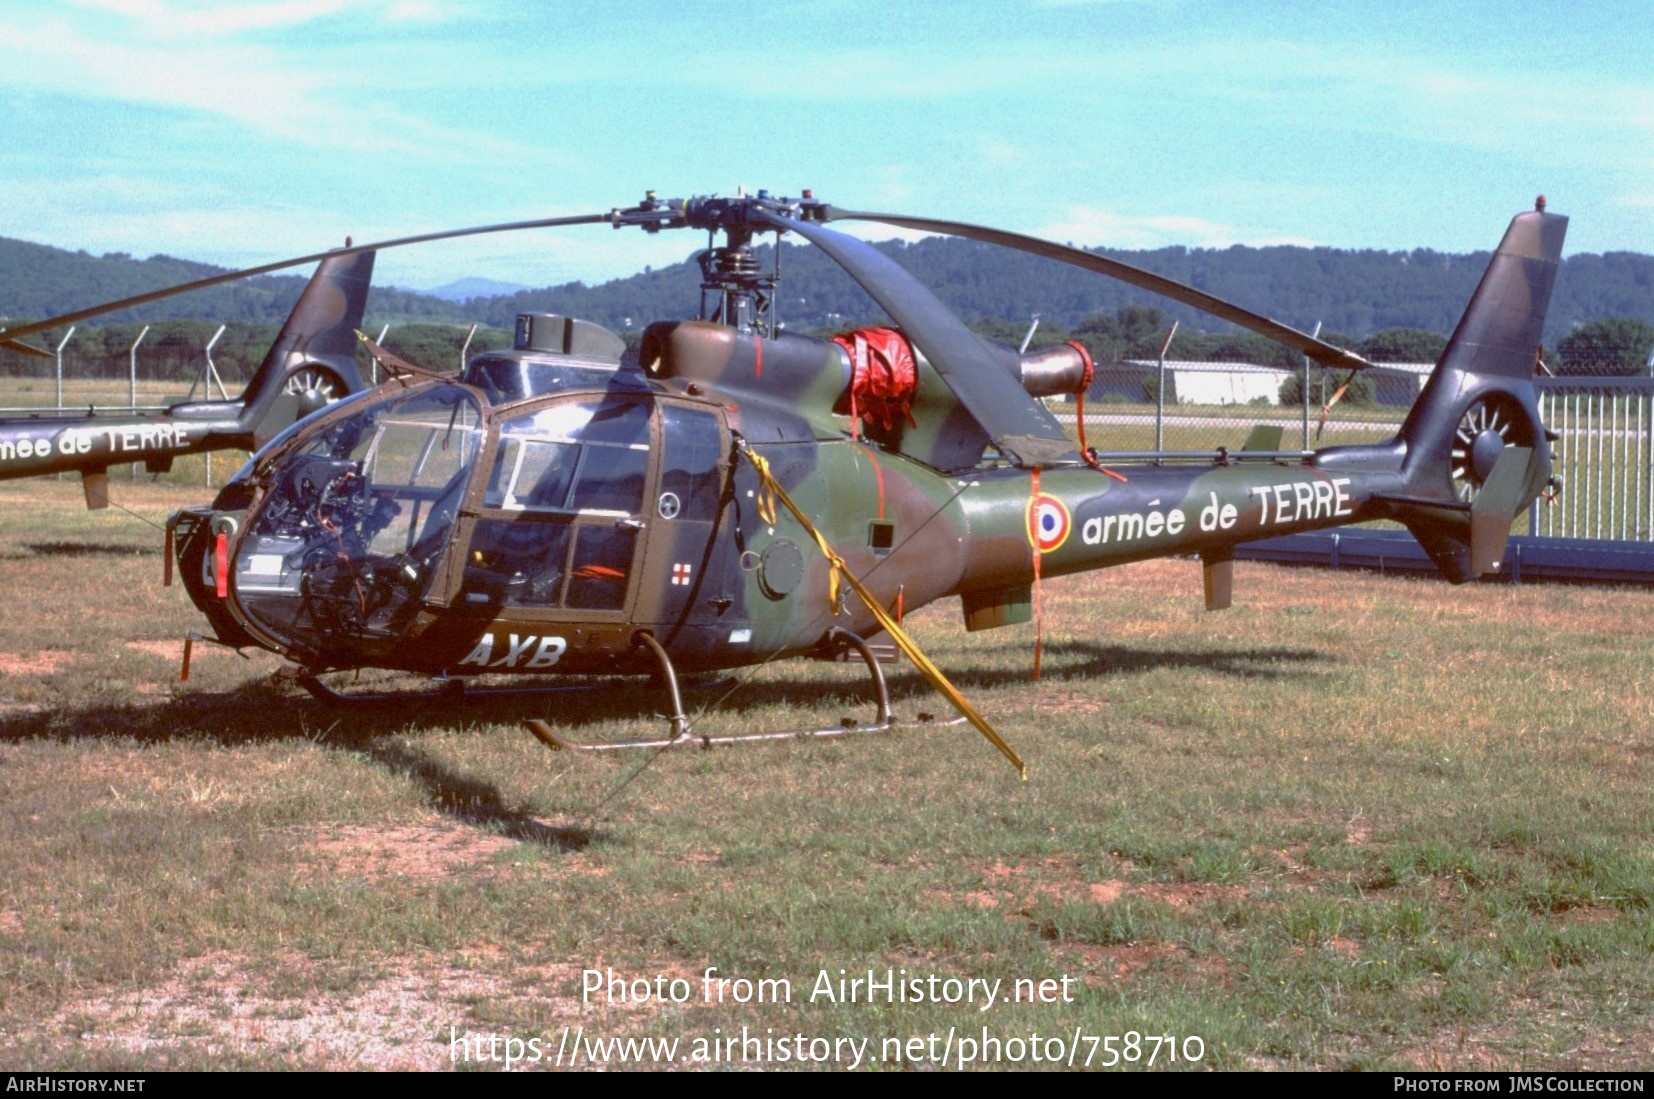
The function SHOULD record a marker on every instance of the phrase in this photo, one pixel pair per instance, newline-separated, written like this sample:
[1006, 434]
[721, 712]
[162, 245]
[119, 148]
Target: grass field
[1355, 822]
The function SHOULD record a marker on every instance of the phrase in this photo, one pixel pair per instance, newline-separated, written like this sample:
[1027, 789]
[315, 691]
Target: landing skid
[457, 690]
[544, 733]
[681, 736]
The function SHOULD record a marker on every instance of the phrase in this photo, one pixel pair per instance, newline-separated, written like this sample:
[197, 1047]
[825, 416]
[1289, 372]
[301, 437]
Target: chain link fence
[1195, 409]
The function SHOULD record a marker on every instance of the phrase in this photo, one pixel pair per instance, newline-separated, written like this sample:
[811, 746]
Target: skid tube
[453, 689]
[681, 736]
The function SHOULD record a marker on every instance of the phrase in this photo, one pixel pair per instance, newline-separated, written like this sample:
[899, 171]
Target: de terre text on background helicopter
[735, 492]
[311, 363]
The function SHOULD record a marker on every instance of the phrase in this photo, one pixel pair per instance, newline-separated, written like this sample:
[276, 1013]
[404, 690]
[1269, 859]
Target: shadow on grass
[475, 802]
[90, 549]
[1081, 660]
[262, 711]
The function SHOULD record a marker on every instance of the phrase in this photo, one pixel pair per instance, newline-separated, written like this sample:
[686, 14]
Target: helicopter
[732, 492]
[311, 363]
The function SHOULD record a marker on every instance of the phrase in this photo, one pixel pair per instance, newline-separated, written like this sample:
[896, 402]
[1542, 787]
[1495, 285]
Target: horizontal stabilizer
[94, 483]
[1265, 438]
[1468, 540]
[1217, 574]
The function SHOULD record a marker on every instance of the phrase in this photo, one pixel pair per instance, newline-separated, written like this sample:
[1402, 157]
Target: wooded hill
[1355, 293]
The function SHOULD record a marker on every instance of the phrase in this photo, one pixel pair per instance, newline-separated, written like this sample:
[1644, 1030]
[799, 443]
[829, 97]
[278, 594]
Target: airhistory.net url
[573, 1047]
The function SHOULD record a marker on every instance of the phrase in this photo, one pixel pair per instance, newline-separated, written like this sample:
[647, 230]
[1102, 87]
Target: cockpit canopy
[358, 515]
[431, 496]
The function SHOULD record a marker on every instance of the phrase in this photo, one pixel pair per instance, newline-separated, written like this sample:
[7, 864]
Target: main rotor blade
[1319, 350]
[264, 269]
[1018, 425]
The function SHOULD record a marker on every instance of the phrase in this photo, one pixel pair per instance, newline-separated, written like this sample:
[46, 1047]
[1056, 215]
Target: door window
[574, 473]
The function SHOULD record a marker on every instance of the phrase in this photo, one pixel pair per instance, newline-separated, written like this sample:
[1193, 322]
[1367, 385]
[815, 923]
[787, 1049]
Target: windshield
[357, 519]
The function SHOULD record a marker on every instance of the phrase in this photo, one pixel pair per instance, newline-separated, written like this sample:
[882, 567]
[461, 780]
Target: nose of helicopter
[356, 516]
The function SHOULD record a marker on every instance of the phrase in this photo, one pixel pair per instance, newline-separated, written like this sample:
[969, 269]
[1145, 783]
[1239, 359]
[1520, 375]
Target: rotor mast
[735, 289]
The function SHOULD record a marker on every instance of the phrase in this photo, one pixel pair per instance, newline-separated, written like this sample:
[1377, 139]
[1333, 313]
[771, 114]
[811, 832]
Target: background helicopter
[311, 363]
[560, 508]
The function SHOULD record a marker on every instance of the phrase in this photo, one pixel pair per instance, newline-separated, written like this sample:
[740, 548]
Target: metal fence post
[466, 348]
[1304, 386]
[132, 369]
[1160, 393]
[132, 387]
[1028, 337]
[64, 342]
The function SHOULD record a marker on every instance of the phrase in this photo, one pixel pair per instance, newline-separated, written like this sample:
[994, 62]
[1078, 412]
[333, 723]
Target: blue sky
[240, 132]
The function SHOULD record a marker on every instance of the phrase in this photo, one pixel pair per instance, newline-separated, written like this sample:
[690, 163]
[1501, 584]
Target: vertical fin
[321, 329]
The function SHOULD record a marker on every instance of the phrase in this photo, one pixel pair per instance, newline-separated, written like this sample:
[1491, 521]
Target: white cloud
[1000, 153]
[1094, 226]
[204, 60]
[883, 74]
[183, 18]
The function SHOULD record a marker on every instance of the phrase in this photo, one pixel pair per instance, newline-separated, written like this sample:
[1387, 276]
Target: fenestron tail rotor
[1487, 427]
[315, 386]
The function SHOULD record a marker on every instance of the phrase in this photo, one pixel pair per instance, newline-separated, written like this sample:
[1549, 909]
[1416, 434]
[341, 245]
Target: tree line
[1389, 306]
[175, 351]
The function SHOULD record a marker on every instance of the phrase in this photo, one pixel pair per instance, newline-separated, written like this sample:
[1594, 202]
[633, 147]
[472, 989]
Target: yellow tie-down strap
[774, 491]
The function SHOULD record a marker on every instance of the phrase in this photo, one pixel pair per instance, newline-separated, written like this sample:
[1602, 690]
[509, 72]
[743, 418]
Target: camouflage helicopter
[311, 363]
[734, 492]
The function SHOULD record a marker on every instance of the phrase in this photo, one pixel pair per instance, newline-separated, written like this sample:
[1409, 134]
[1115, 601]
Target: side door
[557, 528]
[684, 572]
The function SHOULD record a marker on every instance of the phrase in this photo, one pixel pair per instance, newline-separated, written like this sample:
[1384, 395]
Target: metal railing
[1603, 456]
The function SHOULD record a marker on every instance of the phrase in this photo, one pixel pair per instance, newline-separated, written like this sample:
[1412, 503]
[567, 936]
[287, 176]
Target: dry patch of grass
[1575, 1047]
[39, 662]
[209, 1010]
[428, 850]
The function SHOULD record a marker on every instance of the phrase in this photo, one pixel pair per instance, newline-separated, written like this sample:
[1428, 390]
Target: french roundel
[1048, 523]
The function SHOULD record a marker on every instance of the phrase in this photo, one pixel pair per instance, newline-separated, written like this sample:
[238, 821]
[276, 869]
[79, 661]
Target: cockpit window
[585, 456]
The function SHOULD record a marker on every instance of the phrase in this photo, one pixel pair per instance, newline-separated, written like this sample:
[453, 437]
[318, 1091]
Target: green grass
[1355, 822]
